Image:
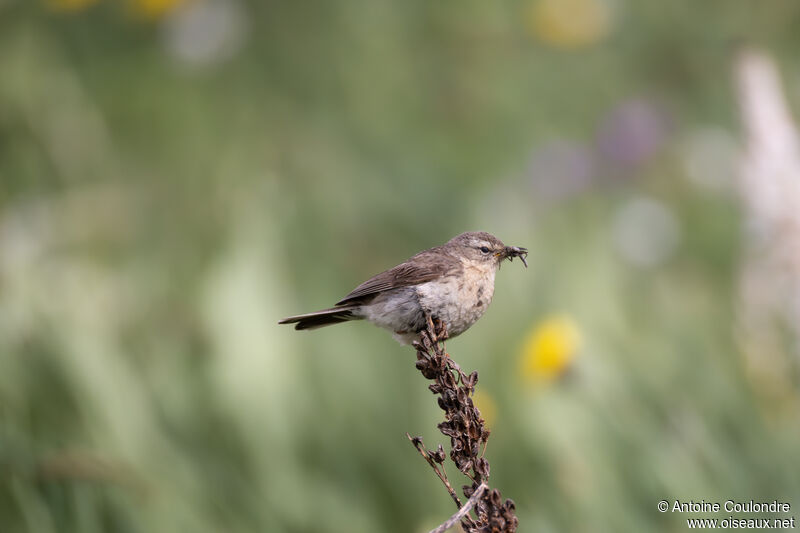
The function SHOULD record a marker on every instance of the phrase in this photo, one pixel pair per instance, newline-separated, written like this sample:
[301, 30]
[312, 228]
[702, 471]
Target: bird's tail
[319, 319]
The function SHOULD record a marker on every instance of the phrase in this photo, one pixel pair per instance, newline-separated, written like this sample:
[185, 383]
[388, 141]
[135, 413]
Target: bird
[451, 285]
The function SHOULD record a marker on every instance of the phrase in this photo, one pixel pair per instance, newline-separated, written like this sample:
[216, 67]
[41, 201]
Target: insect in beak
[515, 251]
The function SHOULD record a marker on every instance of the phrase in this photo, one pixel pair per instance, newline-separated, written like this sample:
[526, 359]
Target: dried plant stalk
[464, 511]
[468, 437]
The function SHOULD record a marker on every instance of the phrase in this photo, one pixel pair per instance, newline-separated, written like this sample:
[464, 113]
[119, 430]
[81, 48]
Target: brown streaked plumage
[453, 283]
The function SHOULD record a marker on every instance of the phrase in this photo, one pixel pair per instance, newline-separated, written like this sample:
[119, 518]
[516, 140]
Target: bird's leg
[441, 334]
[431, 327]
[442, 330]
[437, 329]
[435, 332]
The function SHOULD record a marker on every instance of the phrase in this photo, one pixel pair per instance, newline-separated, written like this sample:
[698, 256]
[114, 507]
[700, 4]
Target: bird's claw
[436, 330]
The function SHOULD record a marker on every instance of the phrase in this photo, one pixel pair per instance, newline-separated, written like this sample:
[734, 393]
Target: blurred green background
[175, 177]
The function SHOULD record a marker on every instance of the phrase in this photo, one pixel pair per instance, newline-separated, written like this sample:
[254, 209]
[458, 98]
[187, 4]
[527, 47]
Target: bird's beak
[510, 252]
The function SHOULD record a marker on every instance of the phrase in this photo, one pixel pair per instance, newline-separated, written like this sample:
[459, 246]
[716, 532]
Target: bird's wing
[425, 266]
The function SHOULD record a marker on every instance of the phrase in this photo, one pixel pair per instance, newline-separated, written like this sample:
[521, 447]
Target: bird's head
[485, 248]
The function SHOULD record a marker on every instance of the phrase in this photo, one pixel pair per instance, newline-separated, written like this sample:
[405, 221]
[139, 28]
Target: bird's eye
[484, 250]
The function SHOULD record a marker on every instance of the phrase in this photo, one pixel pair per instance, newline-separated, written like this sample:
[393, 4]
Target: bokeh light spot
[204, 34]
[570, 23]
[486, 405]
[154, 9]
[550, 348]
[646, 232]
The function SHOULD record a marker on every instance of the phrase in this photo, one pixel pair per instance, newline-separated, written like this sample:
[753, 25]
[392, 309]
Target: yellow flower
[550, 348]
[569, 23]
[153, 9]
[70, 5]
[486, 405]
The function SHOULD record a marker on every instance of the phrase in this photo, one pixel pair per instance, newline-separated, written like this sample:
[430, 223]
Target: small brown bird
[452, 283]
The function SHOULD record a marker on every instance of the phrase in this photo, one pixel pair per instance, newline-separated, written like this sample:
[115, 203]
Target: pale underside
[458, 301]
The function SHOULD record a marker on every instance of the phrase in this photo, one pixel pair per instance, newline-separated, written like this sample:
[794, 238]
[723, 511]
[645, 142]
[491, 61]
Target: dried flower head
[468, 437]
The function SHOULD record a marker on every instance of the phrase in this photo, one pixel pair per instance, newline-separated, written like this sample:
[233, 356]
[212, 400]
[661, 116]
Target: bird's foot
[436, 330]
[441, 330]
[431, 328]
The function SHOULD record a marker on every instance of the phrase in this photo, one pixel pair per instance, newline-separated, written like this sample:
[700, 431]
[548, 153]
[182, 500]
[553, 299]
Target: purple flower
[632, 133]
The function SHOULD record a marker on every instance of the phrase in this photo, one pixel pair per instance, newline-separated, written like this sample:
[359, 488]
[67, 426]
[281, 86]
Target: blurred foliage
[177, 176]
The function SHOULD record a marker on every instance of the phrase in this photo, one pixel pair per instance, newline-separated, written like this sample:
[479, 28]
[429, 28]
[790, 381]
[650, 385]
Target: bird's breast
[459, 300]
